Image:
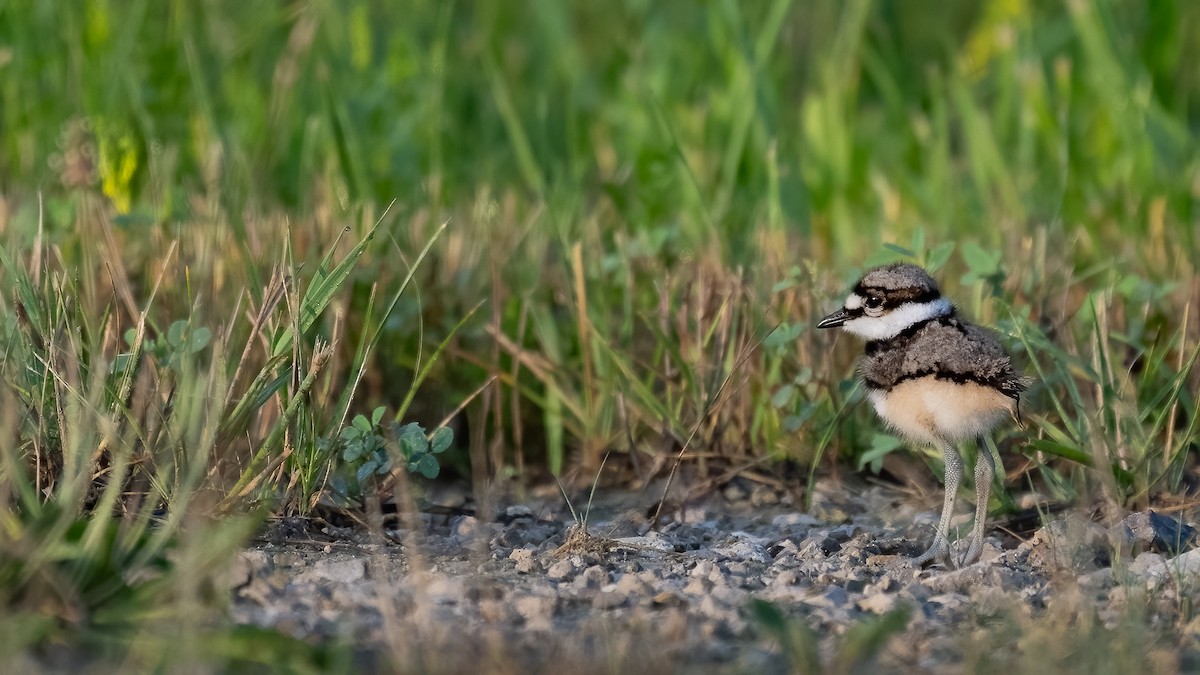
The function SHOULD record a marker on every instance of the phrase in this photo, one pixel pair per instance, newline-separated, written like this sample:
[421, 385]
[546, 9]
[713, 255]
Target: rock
[944, 605]
[343, 571]
[245, 566]
[592, 578]
[518, 511]
[561, 570]
[537, 611]
[828, 545]
[651, 541]
[879, 603]
[497, 612]
[1071, 545]
[440, 590]
[466, 529]
[669, 599]
[609, 598]
[794, 520]
[979, 574]
[1183, 569]
[1148, 566]
[525, 562]
[736, 490]
[786, 578]
[1098, 580]
[1157, 532]
[830, 513]
[834, 596]
[744, 550]
[729, 596]
[698, 586]
[632, 584]
[704, 569]
[842, 533]
[761, 495]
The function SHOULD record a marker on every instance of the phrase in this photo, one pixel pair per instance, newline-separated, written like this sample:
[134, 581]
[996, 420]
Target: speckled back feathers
[945, 348]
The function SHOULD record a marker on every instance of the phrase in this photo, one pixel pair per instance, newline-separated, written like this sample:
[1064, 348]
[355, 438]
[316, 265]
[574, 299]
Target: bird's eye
[874, 302]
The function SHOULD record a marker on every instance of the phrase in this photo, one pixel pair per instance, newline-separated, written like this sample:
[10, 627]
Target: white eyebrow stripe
[854, 301]
[898, 320]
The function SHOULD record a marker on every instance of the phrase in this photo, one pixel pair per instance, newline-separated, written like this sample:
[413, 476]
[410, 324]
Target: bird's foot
[939, 551]
[951, 555]
[974, 551]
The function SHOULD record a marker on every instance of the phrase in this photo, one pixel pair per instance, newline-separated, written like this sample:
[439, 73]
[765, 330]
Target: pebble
[591, 578]
[686, 588]
[879, 603]
[834, 596]
[561, 570]
[518, 511]
[343, 571]
[794, 520]
[744, 550]
[537, 611]
[525, 562]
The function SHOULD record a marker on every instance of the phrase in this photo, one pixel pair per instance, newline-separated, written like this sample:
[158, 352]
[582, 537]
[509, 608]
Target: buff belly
[935, 411]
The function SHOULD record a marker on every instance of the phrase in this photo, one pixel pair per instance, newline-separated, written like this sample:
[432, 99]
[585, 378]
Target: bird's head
[888, 300]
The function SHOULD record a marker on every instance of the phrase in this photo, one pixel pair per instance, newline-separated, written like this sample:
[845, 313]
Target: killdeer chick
[934, 378]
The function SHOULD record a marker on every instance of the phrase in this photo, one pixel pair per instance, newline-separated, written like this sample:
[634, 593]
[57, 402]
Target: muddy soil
[529, 591]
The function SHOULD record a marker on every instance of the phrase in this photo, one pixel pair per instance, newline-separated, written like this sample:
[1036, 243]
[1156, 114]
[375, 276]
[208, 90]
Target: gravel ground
[531, 592]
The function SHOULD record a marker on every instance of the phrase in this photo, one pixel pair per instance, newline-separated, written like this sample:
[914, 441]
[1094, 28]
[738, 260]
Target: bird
[935, 379]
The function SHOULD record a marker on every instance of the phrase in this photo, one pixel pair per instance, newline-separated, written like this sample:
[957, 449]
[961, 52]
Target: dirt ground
[528, 592]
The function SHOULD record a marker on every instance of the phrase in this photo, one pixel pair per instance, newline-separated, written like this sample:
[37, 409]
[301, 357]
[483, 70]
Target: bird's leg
[941, 539]
[985, 469]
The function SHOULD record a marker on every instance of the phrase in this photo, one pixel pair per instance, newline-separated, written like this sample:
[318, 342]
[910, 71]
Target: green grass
[648, 203]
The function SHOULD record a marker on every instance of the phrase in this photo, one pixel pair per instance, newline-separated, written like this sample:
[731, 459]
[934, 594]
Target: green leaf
[200, 339]
[901, 250]
[784, 334]
[783, 396]
[122, 363]
[368, 467]
[792, 423]
[979, 261]
[881, 445]
[354, 452]
[1061, 450]
[917, 243]
[442, 438]
[412, 440]
[783, 285]
[384, 461]
[939, 256]
[427, 465]
[376, 416]
[361, 423]
[175, 333]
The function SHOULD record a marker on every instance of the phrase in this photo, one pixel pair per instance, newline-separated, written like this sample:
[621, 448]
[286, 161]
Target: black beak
[834, 320]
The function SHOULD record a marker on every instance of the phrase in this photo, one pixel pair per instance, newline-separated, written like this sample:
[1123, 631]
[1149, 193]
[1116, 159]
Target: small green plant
[180, 341]
[363, 446]
[420, 451]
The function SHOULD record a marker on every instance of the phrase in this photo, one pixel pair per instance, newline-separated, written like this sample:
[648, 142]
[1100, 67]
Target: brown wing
[961, 351]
